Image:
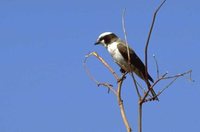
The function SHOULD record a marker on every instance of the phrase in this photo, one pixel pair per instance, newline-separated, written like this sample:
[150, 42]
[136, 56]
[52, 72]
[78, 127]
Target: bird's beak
[96, 43]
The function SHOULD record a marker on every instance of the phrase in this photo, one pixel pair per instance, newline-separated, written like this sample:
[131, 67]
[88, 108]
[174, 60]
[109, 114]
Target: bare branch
[125, 36]
[102, 61]
[164, 77]
[159, 93]
[139, 117]
[181, 74]
[148, 39]
[157, 67]
[122, 110]
[147, 43]
[175, 77]
[88, 71]
[109, 86]
[152, 86]
[129, 60]
[136, 86]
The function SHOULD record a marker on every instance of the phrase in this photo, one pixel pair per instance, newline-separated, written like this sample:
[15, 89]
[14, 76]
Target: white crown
[104, 34]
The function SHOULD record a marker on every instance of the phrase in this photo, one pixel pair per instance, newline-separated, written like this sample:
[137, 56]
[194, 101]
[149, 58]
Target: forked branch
[110, 87]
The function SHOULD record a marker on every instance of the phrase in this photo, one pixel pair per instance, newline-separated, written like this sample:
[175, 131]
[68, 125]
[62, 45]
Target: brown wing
[135, 60]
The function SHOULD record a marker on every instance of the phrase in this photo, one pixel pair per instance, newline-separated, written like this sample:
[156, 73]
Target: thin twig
[87, 70]
[157, 67]
[127, 46]
[136, 86]
[109, 86]
[175, 77]
[122, 110]
[147, 44]
[125, 36]
[102, 61]
[181, 74]
[165, 77]
[140, 86]
[152, 86]
[148, 39]
[159, 93]
[190, 78]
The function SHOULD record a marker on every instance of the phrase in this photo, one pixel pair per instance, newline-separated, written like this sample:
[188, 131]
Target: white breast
[116, 55]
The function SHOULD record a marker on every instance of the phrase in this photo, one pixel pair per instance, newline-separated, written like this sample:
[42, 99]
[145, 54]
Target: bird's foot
[122, 77]
[122, 70]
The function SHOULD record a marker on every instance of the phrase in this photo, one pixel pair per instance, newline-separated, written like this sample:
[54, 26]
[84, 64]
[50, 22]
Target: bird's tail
[155, 97]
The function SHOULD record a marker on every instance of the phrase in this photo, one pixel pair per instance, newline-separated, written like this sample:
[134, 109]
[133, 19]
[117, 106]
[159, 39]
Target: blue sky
[44, 87]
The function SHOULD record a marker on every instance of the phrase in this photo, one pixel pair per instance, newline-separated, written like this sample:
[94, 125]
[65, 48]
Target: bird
[118, 50]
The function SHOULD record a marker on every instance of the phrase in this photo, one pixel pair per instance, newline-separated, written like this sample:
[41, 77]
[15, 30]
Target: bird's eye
[100, 39]
[107, 39]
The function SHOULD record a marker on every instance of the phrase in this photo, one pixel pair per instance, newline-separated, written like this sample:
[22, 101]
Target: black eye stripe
[108, 38]
[101, 39]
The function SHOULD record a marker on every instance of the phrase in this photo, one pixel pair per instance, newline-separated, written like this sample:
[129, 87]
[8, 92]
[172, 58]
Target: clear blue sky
[43, 85]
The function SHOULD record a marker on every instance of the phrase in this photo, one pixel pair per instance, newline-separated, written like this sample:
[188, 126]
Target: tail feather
[151, 90]
[149, 85]
[150, 78]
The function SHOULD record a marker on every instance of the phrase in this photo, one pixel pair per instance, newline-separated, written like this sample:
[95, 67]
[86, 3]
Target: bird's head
[106, 38]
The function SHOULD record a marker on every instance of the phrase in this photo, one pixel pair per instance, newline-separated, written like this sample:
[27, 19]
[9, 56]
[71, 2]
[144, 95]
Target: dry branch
[109, 86]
